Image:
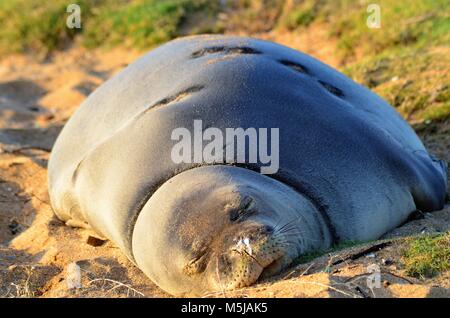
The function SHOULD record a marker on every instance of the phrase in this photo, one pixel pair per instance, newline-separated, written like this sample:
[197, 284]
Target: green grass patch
[141, 24]
[34, 25]
[403, 23]
[40, 25]
[302, 15]
[427, 256]
[415, 81]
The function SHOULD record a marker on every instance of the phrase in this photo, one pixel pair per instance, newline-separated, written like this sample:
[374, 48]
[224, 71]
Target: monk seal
[350, 168]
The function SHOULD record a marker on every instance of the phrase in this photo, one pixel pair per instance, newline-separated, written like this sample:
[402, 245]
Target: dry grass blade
[117, 285]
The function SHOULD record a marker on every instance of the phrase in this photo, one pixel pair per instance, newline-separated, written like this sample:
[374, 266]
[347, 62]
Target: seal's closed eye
[245, 209]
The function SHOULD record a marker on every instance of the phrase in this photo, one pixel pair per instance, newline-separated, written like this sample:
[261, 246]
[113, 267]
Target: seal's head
[218, 227]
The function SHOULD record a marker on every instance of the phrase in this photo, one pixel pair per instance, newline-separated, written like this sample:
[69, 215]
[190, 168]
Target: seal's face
[240, 254]
[228, 236]
[252, 251]
[218, 228]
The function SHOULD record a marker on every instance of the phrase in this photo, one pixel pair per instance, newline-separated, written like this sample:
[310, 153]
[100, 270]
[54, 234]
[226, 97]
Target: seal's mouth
[249, 260]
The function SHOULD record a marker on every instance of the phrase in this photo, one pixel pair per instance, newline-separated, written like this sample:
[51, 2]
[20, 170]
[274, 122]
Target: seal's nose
[244, 245]
[253, 252]
[253, 233]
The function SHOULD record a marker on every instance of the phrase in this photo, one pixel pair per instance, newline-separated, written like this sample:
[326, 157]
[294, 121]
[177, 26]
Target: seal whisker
[286, 224]
[286, 228]
[280, 229]
[298, 234]
[278, 222]
[291, 233]
[289, 229]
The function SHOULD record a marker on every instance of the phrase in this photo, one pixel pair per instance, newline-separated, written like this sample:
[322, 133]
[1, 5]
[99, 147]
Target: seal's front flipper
[77, 223]
[93, 235]
[440, 164]
[429, 187]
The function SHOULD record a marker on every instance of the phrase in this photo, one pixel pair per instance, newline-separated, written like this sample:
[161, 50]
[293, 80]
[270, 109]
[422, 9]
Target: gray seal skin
[350, 167]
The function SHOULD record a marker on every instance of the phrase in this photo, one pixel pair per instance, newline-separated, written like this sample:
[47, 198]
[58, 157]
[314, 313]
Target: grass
[23, 285]
[34, 25]
[308, 257]
[403, 23]
[427, 256]
[415, 81]
[301, 16]
[39, 24]
[142, 23]
[423, 257]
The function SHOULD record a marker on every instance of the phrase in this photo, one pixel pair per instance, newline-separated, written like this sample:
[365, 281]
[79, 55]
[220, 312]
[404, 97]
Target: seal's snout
[250, 241]
[252, 253]
[243, 240]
